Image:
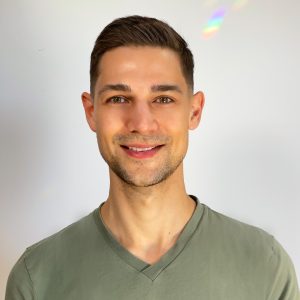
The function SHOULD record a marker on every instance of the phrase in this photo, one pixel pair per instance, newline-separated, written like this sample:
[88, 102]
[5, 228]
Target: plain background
[243, 160]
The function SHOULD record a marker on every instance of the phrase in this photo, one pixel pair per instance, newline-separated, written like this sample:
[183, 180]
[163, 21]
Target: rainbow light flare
[214, 23]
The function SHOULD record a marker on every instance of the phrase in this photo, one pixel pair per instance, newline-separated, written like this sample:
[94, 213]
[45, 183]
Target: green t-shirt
[215, 257]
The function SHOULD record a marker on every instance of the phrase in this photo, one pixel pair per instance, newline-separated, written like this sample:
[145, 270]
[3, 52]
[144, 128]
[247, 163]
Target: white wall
[243, 160]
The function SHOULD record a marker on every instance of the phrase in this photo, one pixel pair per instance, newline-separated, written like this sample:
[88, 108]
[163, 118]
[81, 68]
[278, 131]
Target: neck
[147, 220]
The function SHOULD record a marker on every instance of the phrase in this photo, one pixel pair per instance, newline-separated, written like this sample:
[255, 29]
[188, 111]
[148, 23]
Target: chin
[142, 178]
[143, 183]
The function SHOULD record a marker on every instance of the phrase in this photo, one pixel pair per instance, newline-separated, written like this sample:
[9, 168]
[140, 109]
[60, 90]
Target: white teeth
[140, 149]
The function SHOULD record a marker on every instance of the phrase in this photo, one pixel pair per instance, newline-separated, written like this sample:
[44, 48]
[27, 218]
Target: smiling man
[149, 239]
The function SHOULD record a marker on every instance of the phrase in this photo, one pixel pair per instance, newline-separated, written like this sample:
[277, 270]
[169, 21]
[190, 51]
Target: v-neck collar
[152, 271]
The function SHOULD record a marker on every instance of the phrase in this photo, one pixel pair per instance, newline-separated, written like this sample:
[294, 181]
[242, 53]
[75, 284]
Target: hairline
[133, 45]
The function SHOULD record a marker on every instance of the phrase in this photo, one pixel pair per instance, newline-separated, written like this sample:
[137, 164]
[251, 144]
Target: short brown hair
[141, 31]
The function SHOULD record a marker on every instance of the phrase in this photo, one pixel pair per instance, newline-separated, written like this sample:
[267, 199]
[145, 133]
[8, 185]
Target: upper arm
[284, 281]
[19, 285]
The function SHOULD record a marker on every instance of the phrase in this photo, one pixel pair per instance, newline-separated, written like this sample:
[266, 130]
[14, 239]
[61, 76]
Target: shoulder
[39, 260]
[254, 252]
[235, 230]
[237, 233]
[70, 235]
[70, 241]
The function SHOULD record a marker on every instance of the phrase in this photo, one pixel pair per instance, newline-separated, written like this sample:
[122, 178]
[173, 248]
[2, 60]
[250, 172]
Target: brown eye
[117, 99]
[164, 100]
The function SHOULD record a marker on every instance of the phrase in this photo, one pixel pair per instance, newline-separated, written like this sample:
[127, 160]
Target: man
[149, 239]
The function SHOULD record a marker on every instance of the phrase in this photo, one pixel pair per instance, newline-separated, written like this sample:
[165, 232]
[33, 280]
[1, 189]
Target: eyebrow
[115, 87]
[166, 88]
[154, 88]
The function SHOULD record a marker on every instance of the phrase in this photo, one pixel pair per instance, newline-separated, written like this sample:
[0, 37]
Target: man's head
[142, 98]
[141, 31]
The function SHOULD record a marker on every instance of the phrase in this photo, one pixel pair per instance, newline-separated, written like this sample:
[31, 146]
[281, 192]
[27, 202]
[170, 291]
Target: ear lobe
[88, 106]
[196, 110]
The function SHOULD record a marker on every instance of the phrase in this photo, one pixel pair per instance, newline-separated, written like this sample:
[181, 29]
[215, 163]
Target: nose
[141, 118]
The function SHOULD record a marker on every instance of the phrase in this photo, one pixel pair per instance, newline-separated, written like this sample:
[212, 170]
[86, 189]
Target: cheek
[177, 127]
[106, 127]
[107, 123]
[177, 121]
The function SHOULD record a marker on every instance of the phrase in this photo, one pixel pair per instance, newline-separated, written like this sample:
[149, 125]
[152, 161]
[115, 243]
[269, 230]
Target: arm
[19, 285]
[284, 284]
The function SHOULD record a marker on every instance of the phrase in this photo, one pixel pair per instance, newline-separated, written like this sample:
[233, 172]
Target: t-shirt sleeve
[19, 285]
[284, 284]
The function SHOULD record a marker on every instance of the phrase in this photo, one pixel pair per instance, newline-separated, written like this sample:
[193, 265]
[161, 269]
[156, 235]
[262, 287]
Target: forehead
[140, 64]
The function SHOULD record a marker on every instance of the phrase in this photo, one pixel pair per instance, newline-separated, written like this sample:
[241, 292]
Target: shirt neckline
[151, 270]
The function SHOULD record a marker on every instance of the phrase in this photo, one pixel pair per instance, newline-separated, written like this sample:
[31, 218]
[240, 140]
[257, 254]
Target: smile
[141, 152]
[140, 149]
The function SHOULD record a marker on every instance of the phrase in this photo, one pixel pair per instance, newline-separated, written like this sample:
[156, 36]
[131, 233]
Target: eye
[164, 100]
[117, 99]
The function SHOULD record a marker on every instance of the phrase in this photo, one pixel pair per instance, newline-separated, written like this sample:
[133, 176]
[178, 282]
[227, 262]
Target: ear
[88, 105]
[196, 108]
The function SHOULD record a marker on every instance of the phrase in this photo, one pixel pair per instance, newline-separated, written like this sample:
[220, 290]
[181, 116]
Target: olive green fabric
[215, 257]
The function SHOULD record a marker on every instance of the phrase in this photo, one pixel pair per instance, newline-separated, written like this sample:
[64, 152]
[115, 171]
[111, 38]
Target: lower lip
[142, 154]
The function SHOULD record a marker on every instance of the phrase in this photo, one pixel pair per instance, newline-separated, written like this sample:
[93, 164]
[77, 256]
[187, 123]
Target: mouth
[141, 151]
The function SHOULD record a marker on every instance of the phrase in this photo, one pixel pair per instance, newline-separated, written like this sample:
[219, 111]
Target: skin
[147, 206]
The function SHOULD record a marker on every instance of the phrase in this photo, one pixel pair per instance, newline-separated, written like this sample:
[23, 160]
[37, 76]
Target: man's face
[141, 100]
